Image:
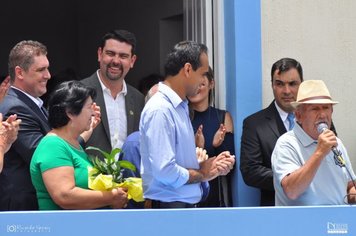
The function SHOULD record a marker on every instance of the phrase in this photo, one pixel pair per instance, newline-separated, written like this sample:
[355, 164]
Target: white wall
[321, 35]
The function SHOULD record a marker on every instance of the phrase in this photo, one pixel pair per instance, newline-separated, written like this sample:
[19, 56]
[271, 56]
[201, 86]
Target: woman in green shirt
[59, 165]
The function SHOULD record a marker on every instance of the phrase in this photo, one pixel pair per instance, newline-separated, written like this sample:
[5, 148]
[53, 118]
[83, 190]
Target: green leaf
[105, 154]
[92, 159]
[109, 166]
[118, 178]
[127, 165]
[115, 151]
[109, 171]
[100, 165]
[115, 167]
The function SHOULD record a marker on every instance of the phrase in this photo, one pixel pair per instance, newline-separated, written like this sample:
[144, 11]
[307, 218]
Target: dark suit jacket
[259, 136]
[134, 102]
[16, 189]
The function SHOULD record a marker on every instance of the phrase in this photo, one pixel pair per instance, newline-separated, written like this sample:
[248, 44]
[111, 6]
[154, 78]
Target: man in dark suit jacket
[28, 68]
[116, 56]
[262, 129]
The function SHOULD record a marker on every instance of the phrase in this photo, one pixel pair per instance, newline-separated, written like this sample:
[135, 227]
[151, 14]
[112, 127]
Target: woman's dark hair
[69, 96]
[210, 76]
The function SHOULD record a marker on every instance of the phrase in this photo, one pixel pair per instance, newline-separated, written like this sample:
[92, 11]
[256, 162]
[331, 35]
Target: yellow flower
[134, 186]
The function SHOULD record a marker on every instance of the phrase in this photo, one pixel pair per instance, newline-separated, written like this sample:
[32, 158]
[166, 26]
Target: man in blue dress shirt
[170, 170]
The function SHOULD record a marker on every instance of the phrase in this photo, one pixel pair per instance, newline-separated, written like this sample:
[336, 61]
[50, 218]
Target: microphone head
[321, 127]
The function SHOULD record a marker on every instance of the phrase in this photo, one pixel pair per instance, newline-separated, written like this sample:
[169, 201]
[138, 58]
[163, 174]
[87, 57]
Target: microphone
[339, 160]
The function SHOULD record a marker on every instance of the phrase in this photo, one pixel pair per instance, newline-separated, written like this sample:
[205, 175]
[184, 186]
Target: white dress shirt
[116, 113]
[37, 100]
[283, 115]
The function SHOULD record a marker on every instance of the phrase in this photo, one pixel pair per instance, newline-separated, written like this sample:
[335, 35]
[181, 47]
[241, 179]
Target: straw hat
[313, 92]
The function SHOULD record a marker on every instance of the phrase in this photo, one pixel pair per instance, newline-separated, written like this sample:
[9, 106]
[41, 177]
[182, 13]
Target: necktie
[205, 189]
[290, 119]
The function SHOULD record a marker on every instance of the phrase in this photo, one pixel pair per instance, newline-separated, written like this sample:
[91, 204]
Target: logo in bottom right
[337, 228]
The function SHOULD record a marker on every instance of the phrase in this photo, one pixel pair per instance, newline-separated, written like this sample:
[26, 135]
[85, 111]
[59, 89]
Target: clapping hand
[97, 116]
[95, 120]
[225, 162]
[219, 136]
[8, 131]
[199, 137]
[201, 154]
[4, 87]
[219, 165]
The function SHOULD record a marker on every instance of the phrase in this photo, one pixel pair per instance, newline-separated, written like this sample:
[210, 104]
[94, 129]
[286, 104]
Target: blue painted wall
[184, 222]
[243, 78]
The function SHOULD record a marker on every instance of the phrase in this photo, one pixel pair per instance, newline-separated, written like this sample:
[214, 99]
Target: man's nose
[47, 75]
[322, 115]
[116, 59]
[287, 89]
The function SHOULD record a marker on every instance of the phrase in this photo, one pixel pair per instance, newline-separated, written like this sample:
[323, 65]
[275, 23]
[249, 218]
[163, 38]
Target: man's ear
[70, 116]
[100, 51]
[19, 73]
[133, 60]
[297, 113]
[187, 68]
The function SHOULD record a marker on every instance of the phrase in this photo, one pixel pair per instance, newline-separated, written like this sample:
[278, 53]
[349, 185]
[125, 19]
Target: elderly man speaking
[310, 164]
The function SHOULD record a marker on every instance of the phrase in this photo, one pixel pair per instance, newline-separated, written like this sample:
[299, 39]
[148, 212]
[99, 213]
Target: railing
[329, 220]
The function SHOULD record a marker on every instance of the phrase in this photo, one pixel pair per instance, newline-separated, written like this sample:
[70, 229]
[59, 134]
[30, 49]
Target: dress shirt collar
[107, 90]
[37, 100]
[282, 113]
[302, 136]
[171, 95]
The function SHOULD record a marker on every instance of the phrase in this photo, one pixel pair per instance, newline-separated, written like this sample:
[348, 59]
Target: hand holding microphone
[330, 138]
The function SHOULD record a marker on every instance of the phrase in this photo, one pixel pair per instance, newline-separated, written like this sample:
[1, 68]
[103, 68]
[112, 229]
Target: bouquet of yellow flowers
[107, 174]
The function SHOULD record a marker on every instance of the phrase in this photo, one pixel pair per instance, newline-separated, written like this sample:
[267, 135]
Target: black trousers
[161, 205]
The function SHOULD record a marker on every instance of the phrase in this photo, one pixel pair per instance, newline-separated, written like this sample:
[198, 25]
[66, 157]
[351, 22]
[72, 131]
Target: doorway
[72, 32]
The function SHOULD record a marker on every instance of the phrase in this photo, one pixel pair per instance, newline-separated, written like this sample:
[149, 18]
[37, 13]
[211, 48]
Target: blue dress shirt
[131, 153]
[167, 148]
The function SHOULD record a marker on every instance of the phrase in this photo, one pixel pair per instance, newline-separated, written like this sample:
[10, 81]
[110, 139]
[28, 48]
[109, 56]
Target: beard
[115, 76]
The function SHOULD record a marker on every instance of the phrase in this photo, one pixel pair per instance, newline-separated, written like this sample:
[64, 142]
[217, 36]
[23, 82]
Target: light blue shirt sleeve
[167, 148]
[161, 134]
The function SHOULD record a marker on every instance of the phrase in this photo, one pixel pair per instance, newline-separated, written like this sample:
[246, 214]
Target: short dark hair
[69, 96]
[22, 55]
[284, 65]
[148, 81]
[122, 36]
[184, 52]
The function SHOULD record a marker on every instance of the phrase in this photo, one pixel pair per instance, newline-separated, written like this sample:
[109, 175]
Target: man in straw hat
[262, 129]
[304, 168]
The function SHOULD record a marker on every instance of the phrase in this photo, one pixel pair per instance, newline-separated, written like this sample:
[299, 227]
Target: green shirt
[53, 152]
